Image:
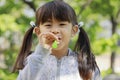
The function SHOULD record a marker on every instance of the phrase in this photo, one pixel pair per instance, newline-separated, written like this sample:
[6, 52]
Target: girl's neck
[59, 53]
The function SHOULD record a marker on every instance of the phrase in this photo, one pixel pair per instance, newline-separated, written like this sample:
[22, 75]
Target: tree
[111, 9]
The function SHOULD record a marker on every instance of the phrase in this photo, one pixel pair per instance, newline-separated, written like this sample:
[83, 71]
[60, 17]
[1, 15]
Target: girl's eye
[62, 24]
[48, 25]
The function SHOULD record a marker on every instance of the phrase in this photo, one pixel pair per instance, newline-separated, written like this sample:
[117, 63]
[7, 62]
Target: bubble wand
[55, 44]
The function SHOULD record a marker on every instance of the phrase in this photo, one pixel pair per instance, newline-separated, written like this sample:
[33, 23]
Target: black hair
[86, 59]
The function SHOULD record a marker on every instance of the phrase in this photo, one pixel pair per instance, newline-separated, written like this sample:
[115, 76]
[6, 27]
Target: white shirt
[40, 65]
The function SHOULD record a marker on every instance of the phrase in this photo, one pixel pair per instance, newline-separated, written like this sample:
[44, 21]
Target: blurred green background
[101, 21]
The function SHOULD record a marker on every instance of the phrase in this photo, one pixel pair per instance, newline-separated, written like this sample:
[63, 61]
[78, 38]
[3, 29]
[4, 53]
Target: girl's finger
[49, 35]
[52, 36]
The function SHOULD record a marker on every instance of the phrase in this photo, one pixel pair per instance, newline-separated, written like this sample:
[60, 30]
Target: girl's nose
[55, 31]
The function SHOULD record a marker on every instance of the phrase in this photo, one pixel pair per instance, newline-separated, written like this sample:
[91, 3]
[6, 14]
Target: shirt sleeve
[96, 75]
[33, 64]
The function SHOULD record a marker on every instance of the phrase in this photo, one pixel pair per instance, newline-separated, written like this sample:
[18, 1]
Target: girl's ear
[74, 30]
[37, 31]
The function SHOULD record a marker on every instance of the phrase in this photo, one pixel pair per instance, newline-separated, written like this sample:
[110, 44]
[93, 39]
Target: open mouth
[59, 38]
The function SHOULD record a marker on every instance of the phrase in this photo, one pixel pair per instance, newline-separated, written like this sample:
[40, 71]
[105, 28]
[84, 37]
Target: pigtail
[25, 50]
[86, 59]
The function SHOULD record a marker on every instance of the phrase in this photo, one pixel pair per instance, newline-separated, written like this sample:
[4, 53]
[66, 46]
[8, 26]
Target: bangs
[54, 10]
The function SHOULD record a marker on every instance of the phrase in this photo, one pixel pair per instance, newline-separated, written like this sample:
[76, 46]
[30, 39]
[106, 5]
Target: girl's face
[63, 30]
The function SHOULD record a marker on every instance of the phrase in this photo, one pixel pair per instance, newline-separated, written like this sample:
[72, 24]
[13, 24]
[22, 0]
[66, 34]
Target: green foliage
[105, 45]
[7, 75]
[9, 5]
[102, 6]
[7, 22]
[106, 72]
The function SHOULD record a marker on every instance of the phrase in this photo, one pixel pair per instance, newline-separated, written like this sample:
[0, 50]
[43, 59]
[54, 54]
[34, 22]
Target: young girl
[56, 24]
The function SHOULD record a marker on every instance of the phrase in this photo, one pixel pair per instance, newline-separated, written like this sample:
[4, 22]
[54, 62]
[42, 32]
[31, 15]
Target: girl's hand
[47, 39]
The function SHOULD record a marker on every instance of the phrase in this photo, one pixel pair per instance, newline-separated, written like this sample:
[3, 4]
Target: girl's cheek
[41, 38]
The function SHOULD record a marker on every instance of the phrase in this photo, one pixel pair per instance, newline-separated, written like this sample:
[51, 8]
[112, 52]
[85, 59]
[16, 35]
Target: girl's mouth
[59, 38]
